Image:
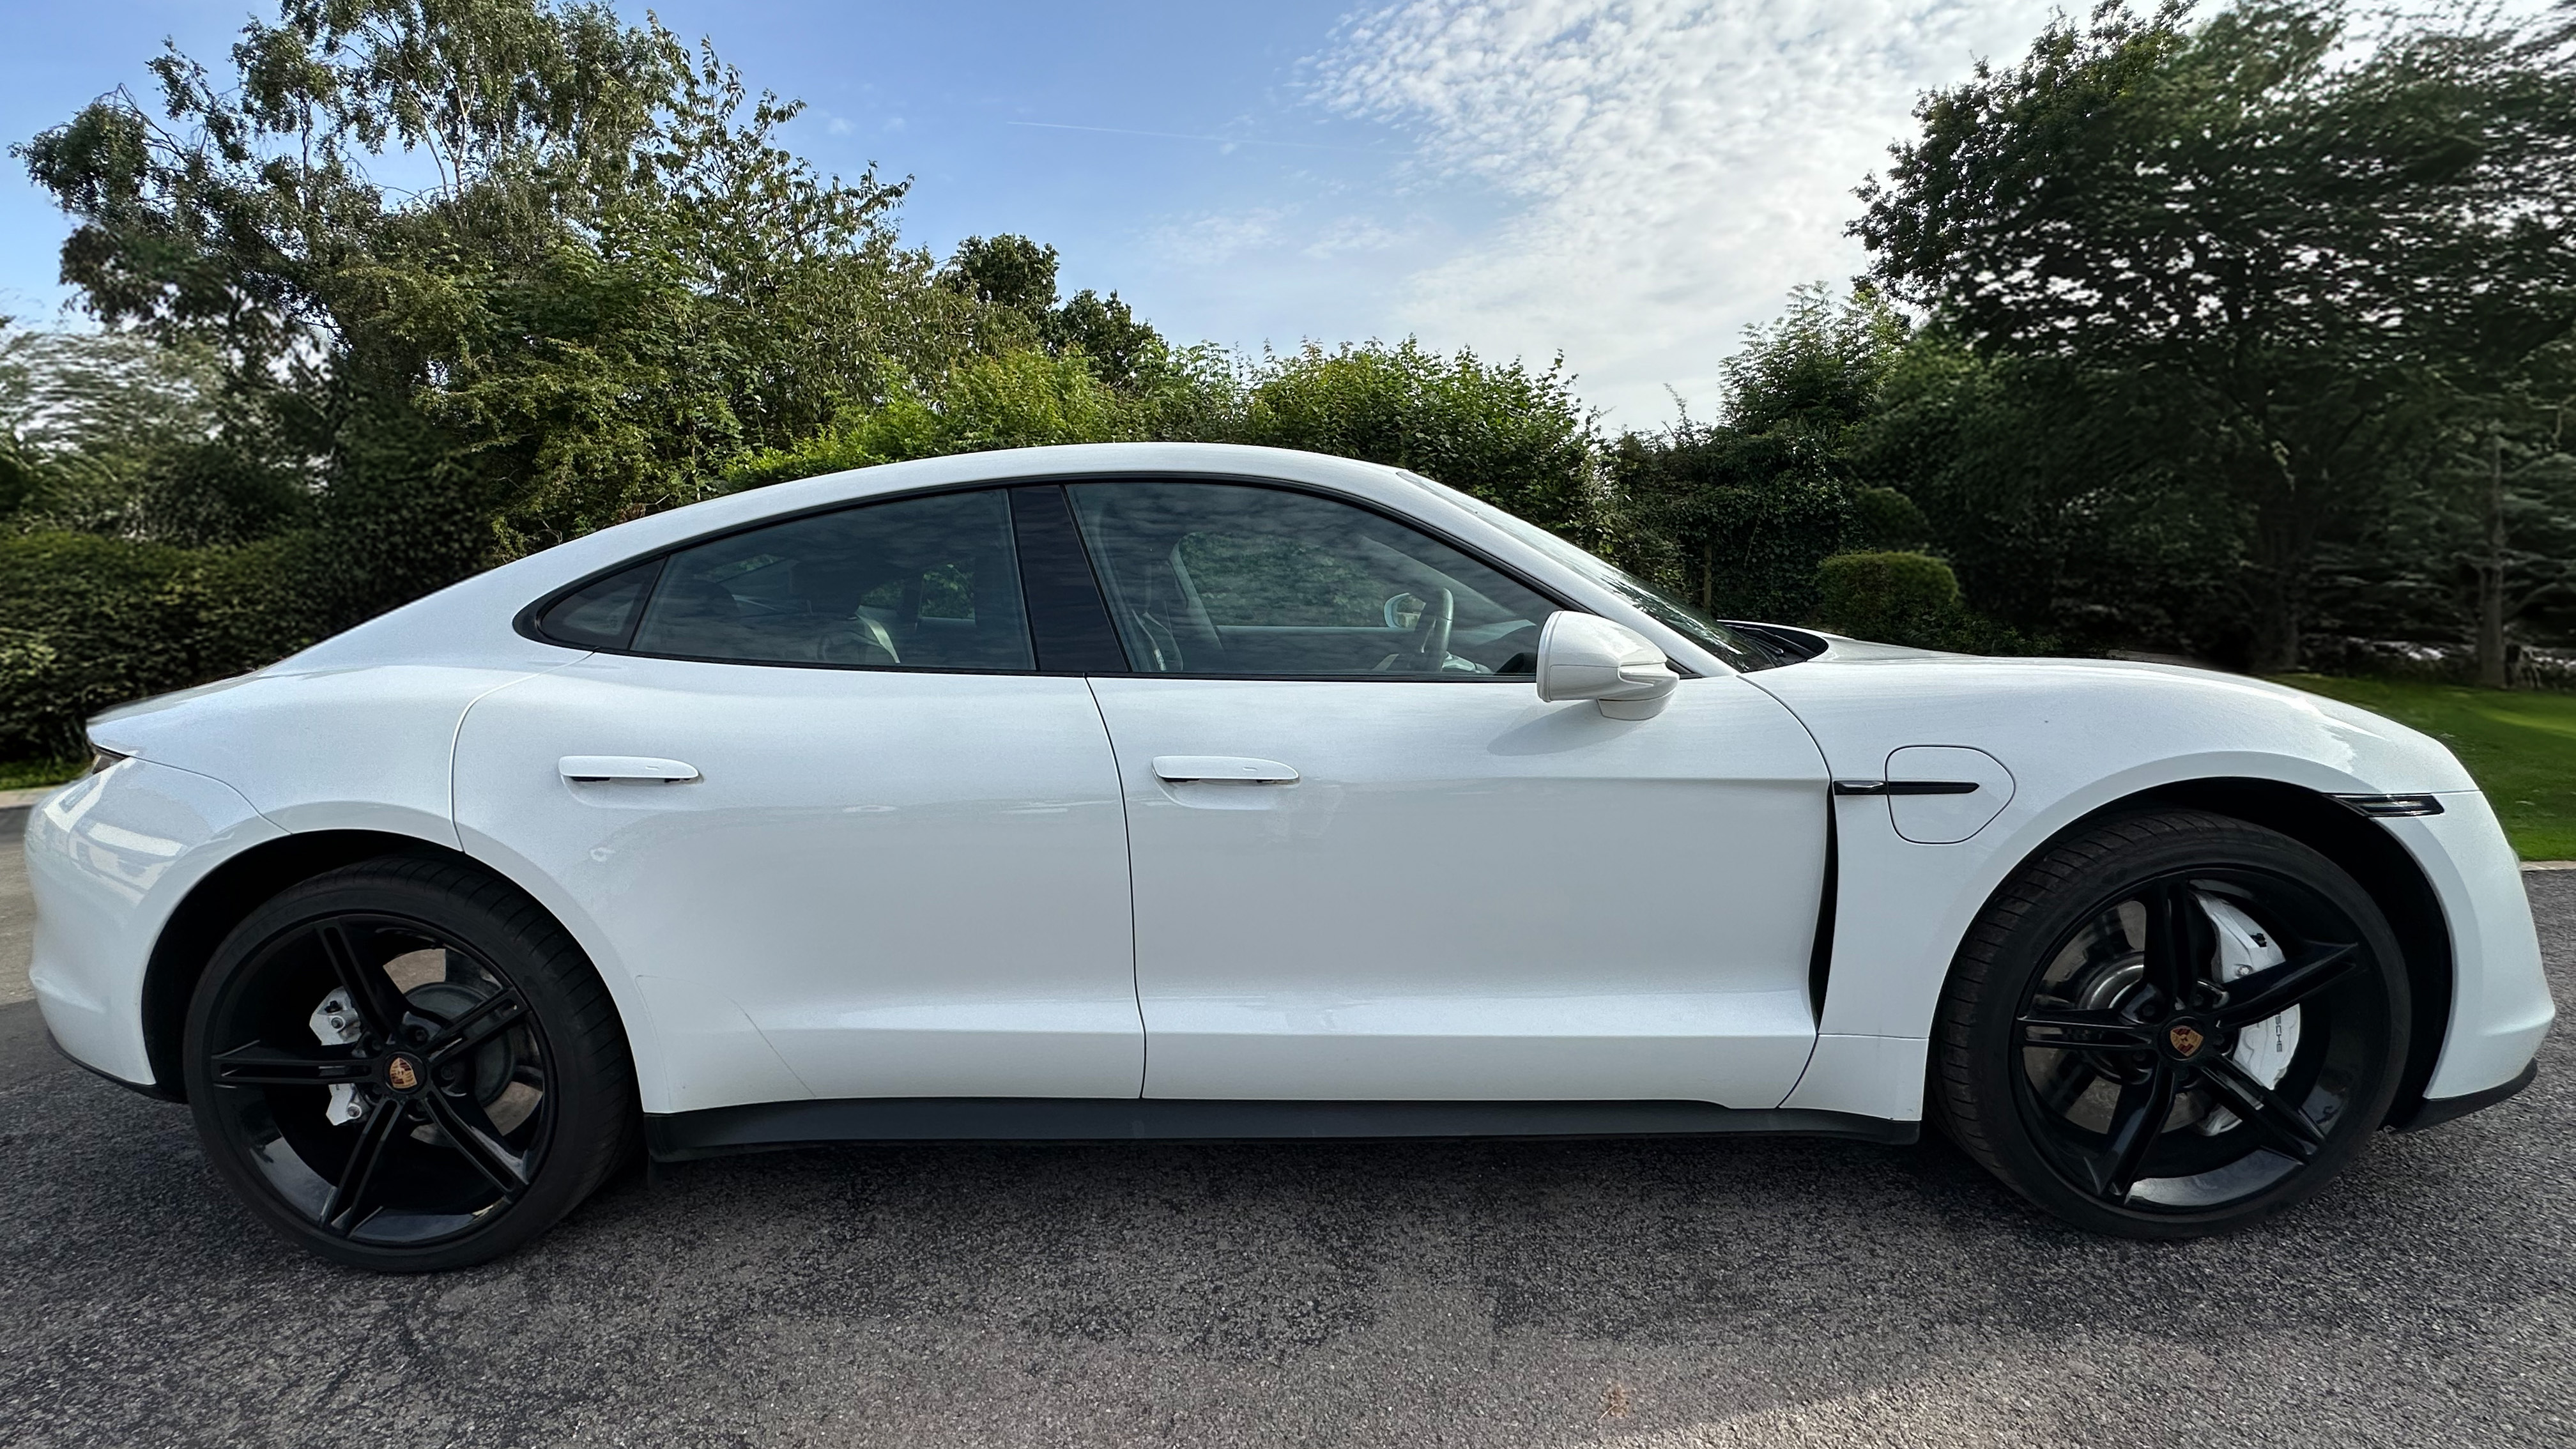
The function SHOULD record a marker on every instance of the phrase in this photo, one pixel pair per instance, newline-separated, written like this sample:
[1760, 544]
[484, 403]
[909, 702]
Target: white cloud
[1215, 238]
[1674, 168]
[1344, 236]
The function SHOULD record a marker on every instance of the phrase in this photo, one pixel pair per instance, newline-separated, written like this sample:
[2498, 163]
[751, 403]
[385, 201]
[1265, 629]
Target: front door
[816, 799]
[1369, 863]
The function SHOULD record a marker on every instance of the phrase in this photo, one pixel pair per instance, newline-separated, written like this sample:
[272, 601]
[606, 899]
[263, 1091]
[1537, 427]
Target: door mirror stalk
[1584, 656]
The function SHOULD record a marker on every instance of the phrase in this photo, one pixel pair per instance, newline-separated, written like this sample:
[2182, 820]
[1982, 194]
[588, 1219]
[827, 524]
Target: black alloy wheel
[2172, 1024]
[405, 1065]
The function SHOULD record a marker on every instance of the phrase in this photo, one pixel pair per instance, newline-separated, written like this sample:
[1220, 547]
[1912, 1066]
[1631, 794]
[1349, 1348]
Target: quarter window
[600, 615]
[916, 583]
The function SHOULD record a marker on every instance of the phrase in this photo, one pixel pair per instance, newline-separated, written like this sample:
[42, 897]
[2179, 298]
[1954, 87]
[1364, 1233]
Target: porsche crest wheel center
[403, 1072]
[2185, 1039]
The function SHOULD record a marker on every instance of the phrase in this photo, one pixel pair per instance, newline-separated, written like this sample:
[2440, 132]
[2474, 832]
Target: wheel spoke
[346, 1209]
[2135, 1124]
[261, 1065]
[2273, 990]
[2285, 1126]
[471, 1132]
[2179, 938]
[370, 990]
[2081, 1027]
[485, 1020]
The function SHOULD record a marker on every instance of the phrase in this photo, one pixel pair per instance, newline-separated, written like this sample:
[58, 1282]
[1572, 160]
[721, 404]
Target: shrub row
[89, 622]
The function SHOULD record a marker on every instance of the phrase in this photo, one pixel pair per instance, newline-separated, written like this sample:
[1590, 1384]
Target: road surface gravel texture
[1649, 1293]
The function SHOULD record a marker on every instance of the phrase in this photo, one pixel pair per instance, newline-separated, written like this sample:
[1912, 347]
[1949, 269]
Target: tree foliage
[2294, 238]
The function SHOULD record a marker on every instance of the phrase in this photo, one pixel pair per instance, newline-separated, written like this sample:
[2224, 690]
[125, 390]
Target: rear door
[819, 799]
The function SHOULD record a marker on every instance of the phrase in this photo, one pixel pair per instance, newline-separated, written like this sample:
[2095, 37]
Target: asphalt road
[1717, 1292]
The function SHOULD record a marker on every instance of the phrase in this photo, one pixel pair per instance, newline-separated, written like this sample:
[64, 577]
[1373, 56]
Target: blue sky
[1627, 182]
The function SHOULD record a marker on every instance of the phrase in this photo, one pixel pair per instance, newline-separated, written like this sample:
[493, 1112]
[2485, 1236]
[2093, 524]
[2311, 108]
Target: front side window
[1215, 578]
[917, 583]
[1740, 650]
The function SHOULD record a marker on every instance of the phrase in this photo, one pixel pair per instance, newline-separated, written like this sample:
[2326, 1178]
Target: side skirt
[761, 1126]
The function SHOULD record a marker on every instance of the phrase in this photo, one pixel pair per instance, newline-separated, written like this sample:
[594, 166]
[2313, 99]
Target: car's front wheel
[406, 1066]
[2172, 1024]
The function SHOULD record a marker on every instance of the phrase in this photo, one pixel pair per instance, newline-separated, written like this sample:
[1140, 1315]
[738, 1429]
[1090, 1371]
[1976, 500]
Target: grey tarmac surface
[1709, 1292]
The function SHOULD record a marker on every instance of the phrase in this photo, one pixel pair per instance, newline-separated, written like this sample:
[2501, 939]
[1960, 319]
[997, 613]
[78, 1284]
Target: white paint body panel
[2501, 1010]
[109, 857]
[740, 979]
[883, 884]
[1471, 895]
[1947, 819]
[2078, 735]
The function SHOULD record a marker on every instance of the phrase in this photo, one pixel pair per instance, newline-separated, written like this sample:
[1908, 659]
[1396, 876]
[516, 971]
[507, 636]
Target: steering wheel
[1431, 636]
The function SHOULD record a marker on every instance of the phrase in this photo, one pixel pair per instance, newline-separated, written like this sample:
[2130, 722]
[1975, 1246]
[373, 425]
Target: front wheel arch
[2361, 847]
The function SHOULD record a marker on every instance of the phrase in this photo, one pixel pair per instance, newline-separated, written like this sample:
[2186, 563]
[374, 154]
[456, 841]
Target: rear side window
[918, 583]
[600, 615]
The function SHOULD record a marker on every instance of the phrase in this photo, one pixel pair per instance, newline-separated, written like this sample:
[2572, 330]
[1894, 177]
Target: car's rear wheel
[2172, 1024]
[405, 1065]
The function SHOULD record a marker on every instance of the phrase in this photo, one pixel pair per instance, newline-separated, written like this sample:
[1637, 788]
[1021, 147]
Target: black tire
[487, 1084]
[2064, 1062]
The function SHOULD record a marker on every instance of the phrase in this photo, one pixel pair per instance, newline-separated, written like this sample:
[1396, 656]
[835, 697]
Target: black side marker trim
[1905, 787]
[2392, 804]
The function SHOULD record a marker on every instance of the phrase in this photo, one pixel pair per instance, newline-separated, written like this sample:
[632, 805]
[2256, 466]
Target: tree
[1739, 513]
[2287, 239]
[1515, 437]
[1006, 271]
[617, 283]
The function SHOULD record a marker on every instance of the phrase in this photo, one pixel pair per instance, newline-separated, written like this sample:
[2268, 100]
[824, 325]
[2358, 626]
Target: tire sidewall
[593, 1098]
[2021, 950]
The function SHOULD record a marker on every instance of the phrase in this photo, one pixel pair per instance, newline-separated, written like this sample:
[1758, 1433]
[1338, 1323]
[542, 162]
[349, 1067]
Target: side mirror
[1584, 656]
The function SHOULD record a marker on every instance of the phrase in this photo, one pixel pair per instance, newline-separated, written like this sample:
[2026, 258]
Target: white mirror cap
[1584, 656]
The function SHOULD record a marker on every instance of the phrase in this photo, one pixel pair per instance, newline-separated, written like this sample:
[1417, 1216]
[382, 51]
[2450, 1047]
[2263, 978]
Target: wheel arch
[228, 894]
[2363, 850]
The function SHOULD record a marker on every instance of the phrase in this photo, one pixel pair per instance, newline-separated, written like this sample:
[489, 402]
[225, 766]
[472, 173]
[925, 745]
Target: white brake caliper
[335, 1022]
[2263, 1050]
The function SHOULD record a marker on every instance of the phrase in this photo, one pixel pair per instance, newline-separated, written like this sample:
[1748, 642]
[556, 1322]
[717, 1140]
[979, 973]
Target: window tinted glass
[916, 583]
[1213, 578]
[600, 615]
[1739, 649]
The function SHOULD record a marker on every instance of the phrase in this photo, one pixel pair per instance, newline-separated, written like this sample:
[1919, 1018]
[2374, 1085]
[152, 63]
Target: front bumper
[2434, 1111]
[2500, 1005]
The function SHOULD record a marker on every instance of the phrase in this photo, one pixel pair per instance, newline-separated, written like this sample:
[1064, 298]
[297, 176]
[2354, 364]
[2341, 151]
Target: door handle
[1185, 769]
[598, 769]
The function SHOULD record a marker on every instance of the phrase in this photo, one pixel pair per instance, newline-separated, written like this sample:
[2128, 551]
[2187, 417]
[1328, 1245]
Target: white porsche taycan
[1209, 792]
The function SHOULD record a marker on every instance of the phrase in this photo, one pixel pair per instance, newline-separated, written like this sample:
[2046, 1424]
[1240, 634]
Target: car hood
[2066, 720]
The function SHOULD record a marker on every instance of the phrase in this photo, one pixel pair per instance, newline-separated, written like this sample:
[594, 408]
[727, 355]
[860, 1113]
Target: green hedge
[88, 622]
[1896, 597]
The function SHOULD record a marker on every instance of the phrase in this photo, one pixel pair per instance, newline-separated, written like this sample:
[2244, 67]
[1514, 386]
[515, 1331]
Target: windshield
[1738, 649]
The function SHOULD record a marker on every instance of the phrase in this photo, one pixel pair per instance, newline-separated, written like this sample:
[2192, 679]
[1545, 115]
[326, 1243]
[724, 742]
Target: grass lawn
[2520, 746]
[30, 774]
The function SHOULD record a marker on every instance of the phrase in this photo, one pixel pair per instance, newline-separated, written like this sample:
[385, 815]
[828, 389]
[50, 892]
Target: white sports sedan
[1164, 791]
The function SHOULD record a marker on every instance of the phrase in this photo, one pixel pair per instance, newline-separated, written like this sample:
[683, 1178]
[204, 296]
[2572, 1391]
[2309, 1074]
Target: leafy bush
[1896, 597]
[1516, 438]
[89, 622]
[1888, 521]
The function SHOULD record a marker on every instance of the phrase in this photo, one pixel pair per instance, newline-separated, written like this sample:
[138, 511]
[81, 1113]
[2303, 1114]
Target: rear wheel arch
[229, 893]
